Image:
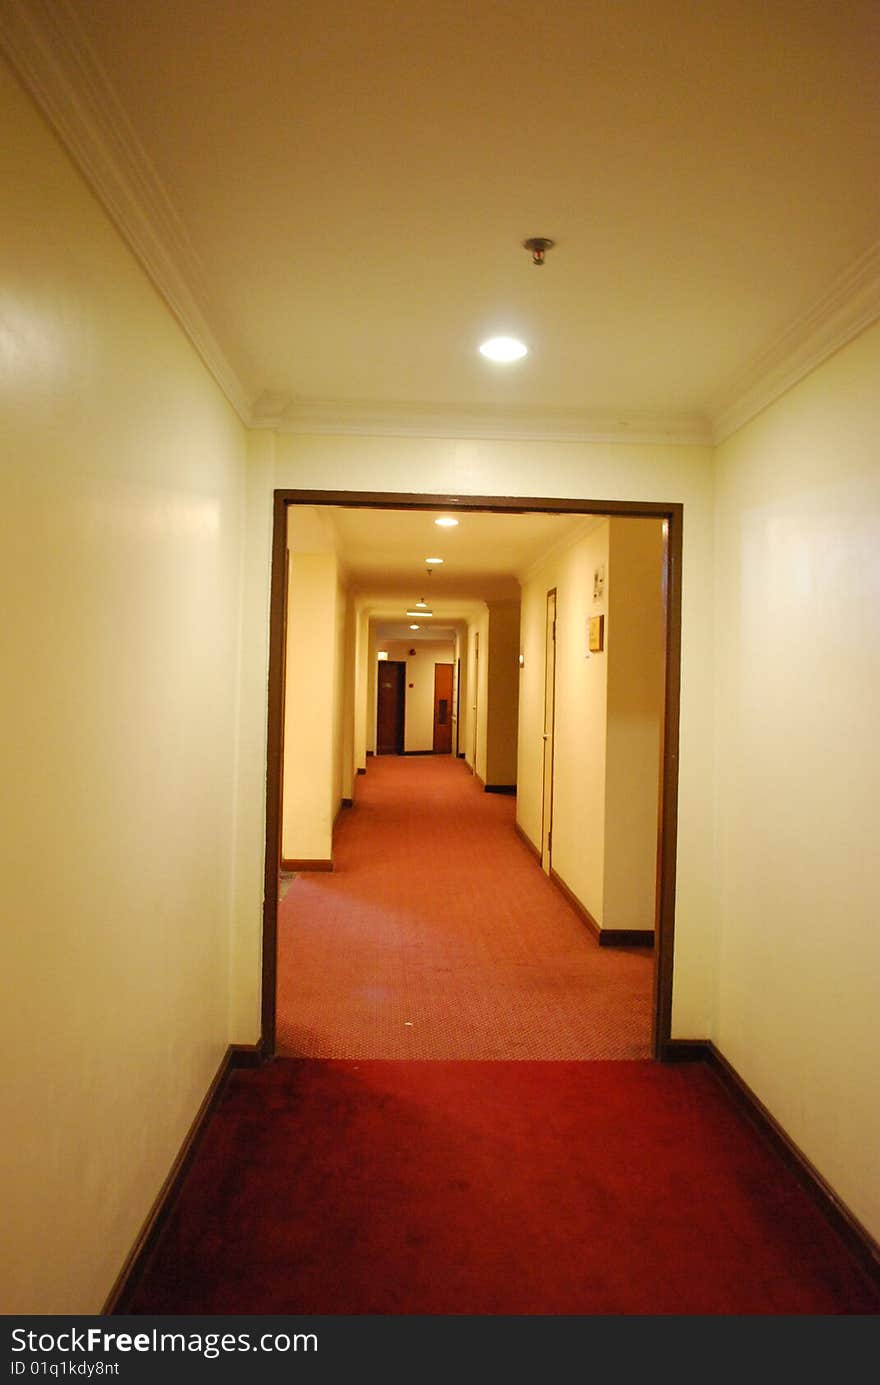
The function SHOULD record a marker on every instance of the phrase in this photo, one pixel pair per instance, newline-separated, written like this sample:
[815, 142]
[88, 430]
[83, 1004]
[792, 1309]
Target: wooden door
[390, 704]
[442, 709]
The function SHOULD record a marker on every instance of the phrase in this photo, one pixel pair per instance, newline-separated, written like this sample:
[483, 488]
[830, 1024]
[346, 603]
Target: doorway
[390, 707]
[443, 709]
[671, 514]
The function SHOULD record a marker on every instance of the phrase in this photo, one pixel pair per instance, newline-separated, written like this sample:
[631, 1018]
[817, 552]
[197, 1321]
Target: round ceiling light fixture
[446, 522]
[503, 350]
[433, 560]
[413, 627]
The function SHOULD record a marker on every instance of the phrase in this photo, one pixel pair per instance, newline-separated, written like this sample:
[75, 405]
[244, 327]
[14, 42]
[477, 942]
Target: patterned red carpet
[438, 936]
[504, 1188]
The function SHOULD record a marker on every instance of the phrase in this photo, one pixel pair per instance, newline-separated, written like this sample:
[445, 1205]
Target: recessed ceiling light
[446, 522]
[433, 560]
[503, 349]
[413, 627]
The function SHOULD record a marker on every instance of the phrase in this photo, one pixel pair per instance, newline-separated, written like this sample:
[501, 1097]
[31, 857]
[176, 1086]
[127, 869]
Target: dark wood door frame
[673, 513]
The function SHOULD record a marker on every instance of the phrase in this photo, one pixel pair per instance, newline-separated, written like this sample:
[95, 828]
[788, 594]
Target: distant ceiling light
[503, 349]
[446, 522]
[422, 605]
[420, 614]
[382, 654]
[413, 627]
[433, 560]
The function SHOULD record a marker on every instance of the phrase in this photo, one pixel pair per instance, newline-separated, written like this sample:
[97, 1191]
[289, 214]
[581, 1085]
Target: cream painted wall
[502, 692]
[636, 658]
[251, 746]
[609, 707]
[349, 665]
[419, 715]
[592, 471]
[122, 560]
[798, 595]
[531, 701]
[478, 664]
[312, 740]
[581, 697]
[460, 734]
[364, 690]
[341, 786]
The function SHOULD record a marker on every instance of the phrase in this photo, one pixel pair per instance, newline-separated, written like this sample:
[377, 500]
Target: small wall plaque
[597, 634]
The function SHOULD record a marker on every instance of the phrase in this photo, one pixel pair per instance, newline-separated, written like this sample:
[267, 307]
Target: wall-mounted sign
[597, 634]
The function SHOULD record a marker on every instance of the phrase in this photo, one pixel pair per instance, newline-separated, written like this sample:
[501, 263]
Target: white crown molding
[850, 305]
[391, 418]
[46, 45]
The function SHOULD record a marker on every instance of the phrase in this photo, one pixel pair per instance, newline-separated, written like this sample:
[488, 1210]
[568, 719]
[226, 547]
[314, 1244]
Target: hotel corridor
[350, 1176]
[437, 936]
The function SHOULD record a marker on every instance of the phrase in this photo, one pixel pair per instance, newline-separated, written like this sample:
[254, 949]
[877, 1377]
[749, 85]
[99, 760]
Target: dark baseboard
[369, 753]
[362, 771]
[322, 863]
[685, 1051]
[605, 937]
[419, 752]
[461, 755]
[499, 788]
[347, 803]
[528, 841]
[851, 1231]
[236, 1056]
[626, 937]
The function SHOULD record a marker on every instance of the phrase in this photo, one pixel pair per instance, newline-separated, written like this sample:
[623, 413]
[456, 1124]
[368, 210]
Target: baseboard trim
[419, 752]
[295, 864]
[852, 1232]
[605, 937]
[580, 909]
[524, 837]
[346, 803]
[236, 1056]
[461, 754]
[362, 771]
[626, 937]
[685, 1051]
[499, 788]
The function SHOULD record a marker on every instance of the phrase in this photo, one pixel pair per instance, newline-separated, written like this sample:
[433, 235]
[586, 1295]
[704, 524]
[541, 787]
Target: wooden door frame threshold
[672, 513]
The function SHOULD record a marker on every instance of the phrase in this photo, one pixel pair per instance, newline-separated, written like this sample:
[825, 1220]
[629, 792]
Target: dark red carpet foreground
[492, 1188]
[438, 936]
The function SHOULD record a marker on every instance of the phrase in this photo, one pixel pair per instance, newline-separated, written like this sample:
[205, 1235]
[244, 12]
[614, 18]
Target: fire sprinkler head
[538, 245]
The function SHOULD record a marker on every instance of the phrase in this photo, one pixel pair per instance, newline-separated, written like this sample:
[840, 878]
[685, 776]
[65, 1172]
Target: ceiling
[333, 197]
[383, 555]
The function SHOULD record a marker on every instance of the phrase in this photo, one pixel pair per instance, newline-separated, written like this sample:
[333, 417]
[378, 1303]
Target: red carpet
[438, 936]
[492, 1188]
